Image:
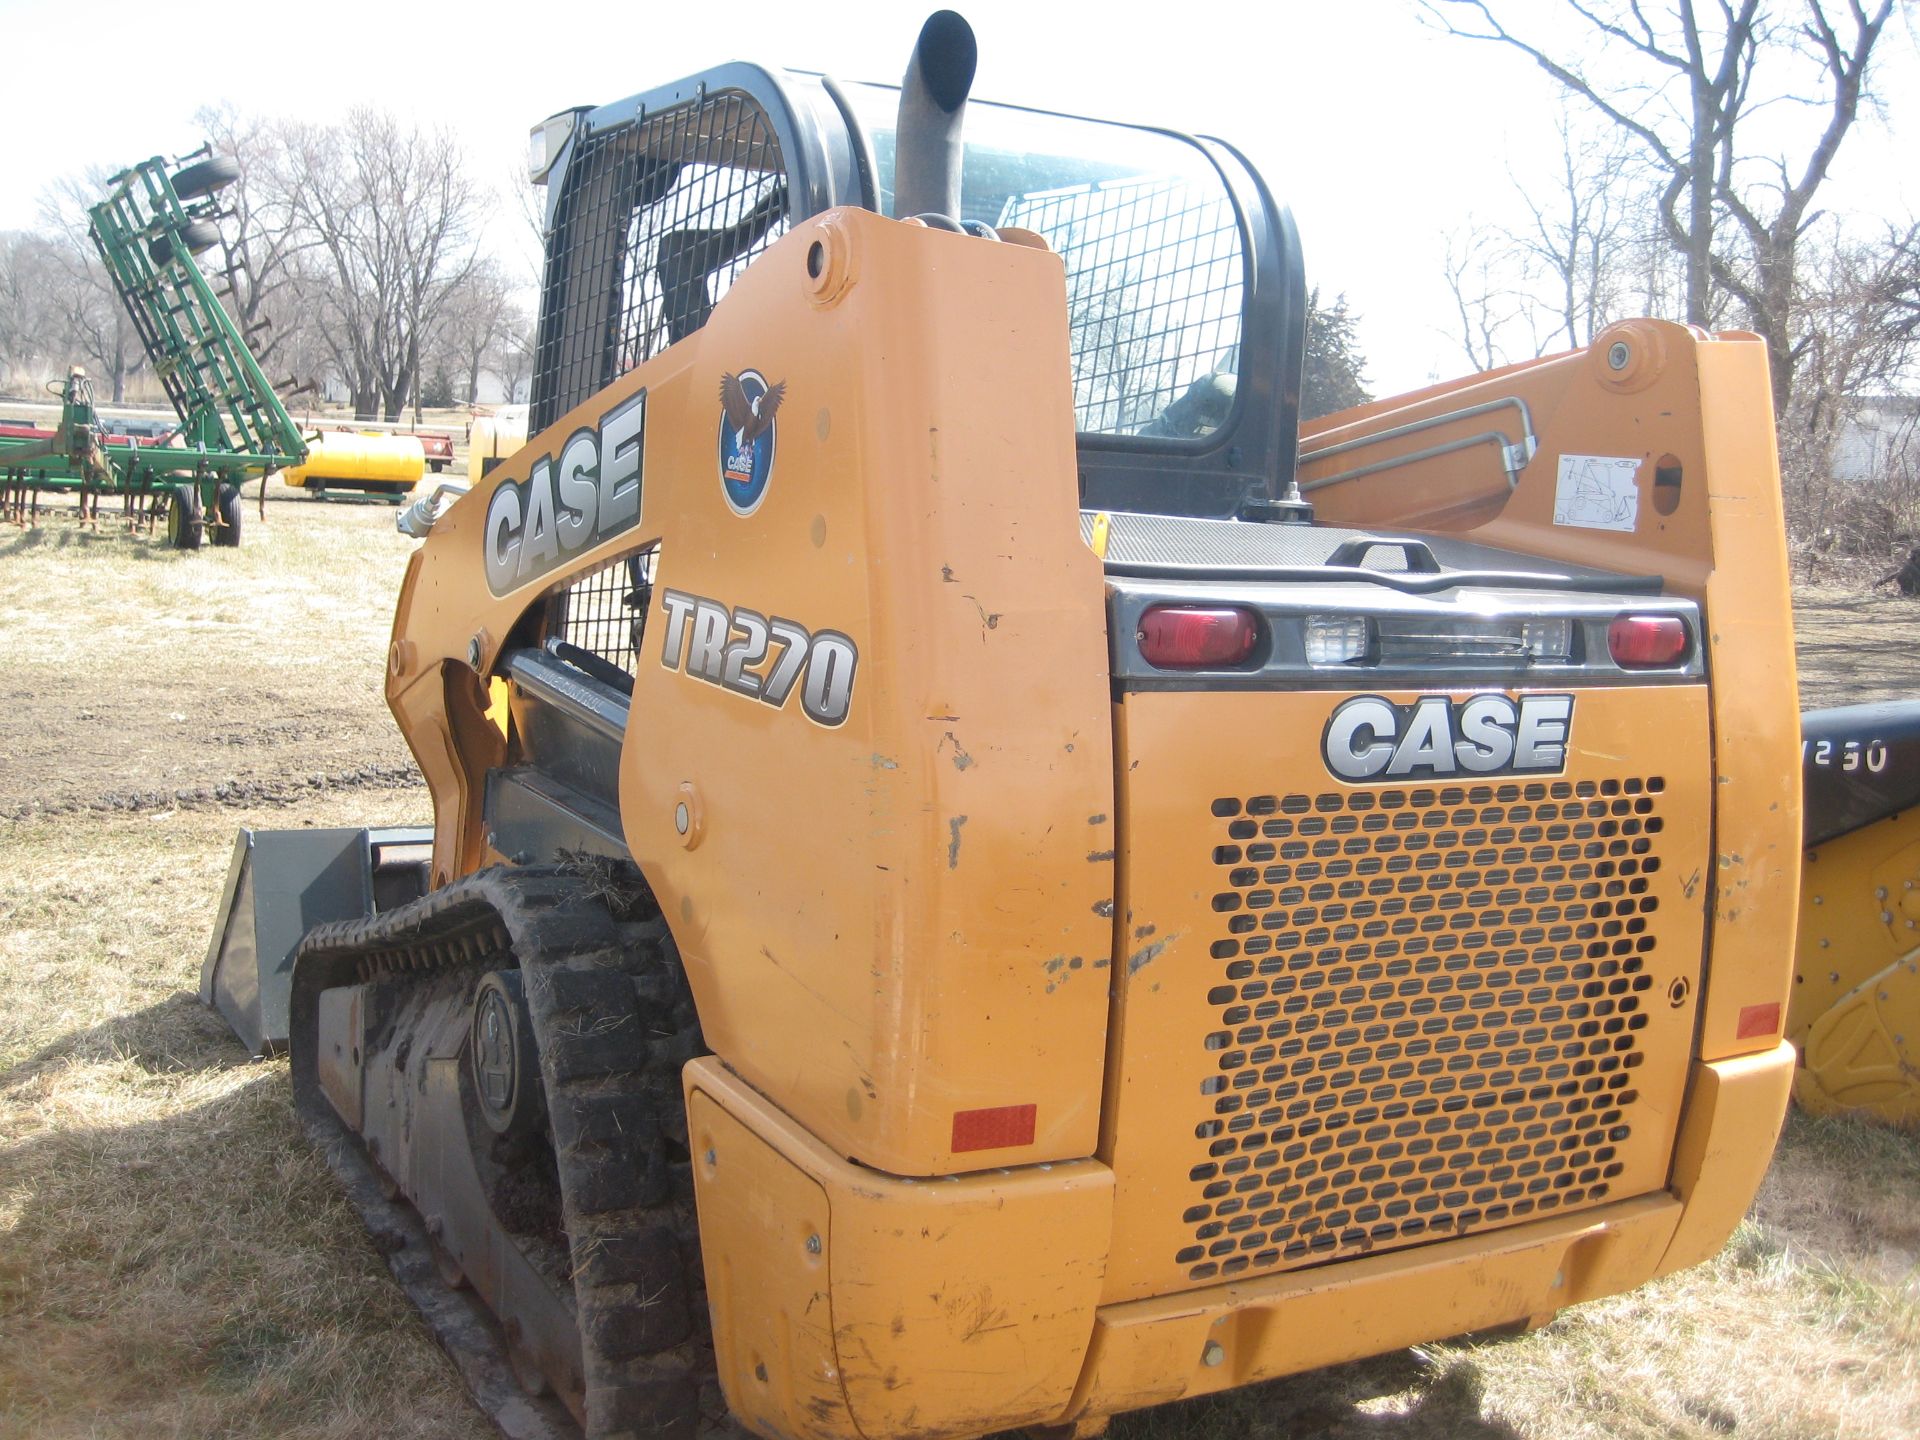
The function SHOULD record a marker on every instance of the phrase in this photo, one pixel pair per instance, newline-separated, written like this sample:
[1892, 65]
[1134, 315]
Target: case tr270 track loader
[985, 876]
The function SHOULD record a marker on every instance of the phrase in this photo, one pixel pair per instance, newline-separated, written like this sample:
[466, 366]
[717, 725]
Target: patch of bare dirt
[143, 678]
[1855, 641]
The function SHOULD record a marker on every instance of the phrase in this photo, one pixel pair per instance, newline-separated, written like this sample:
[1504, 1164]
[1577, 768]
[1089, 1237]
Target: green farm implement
[231, 424]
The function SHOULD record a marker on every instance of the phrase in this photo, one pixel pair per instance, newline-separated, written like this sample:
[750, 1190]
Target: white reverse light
[1550, 638]
[1337, 639]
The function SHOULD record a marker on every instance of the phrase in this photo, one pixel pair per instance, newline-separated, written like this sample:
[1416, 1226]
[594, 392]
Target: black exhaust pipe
[933, 104]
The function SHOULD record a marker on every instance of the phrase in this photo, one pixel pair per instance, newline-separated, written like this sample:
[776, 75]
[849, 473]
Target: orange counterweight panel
[1359, 1017]
[847, 1302]
[1150, 1351]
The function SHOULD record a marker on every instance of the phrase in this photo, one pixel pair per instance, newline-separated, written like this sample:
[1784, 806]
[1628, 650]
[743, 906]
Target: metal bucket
[280, 885]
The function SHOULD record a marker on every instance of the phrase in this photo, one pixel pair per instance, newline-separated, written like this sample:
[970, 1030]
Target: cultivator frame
[232, 425]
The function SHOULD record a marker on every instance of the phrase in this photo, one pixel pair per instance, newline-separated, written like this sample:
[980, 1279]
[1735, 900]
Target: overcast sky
[1379, 132]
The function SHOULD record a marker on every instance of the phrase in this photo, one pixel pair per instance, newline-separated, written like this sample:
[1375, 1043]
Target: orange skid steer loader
[983, 874]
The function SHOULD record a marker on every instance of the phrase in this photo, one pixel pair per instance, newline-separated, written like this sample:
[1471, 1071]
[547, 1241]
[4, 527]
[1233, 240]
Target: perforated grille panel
[1429, 1006]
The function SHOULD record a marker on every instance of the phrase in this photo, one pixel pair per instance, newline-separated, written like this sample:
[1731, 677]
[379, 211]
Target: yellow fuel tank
[374, 462]
[492, 438]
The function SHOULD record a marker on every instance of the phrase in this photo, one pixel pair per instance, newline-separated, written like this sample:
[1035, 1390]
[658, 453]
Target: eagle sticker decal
[747, 407]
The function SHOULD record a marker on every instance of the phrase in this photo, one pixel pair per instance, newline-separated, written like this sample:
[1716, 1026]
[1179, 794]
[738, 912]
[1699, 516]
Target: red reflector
[1758, 1020]
[993, 1129]
[1186, 637]
[1646, 642]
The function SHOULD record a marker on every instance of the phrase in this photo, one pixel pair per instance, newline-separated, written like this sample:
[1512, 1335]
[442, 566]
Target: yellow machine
[368, 460]
[492, 437]
[1855, 1007]
[983, 874]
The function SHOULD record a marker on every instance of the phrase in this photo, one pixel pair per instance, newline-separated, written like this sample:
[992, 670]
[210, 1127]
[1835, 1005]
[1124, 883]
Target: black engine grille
[1428, 1007]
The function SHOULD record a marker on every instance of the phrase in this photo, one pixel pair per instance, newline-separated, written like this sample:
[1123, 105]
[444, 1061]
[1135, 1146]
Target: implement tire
[209, 177]
[195, 236]
[186, 523]
[226, 509]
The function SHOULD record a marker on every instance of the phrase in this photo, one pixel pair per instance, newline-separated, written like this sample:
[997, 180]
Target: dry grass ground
[174, 1261]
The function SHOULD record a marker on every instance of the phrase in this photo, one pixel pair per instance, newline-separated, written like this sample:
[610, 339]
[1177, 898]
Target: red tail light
[1647, 642]
[1190, 637]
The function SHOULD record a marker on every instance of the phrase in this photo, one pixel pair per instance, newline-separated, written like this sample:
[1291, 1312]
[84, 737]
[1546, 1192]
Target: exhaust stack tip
[933, 101]
[945, 56]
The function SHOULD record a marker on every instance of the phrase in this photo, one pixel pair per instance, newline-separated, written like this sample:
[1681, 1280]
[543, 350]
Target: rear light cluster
[1393, 639]
[1213, 637]
[1338, 639]
[1194, 637]
[1647, 642]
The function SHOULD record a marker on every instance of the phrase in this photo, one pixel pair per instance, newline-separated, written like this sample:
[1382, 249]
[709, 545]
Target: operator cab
[1186, 310]
[1185, 293]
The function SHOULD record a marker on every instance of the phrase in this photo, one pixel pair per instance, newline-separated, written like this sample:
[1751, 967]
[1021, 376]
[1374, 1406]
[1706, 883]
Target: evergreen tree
[437, 393]
[1335, 373]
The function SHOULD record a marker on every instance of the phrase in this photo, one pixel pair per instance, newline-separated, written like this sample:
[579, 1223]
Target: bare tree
[1487, 305]
[1588, 252]
[1860, 303]
[27, 321]
[1691, 85]
[86, 309]
[1579, 232]
[529, 202]
[391, 212]
[258, 269]
[1860, 309]
[474, 319]
[512, 358]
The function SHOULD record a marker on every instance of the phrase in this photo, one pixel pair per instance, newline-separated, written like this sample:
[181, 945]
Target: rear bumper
[847, 1303]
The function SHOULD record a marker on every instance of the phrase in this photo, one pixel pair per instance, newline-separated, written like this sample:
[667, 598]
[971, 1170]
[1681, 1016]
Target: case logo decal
[1371, 738]
[562, 508]
[747, 407]
[725, 646]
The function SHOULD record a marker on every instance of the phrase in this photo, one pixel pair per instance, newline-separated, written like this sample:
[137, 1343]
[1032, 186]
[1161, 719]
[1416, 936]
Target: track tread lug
[667, 1408]
[591, 1023]
[615, 1023]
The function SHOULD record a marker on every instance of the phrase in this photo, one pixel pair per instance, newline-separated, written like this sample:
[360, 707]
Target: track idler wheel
[504, 1059]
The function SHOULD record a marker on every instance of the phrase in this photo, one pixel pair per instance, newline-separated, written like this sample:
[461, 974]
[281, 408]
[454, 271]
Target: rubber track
[614, 1024]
